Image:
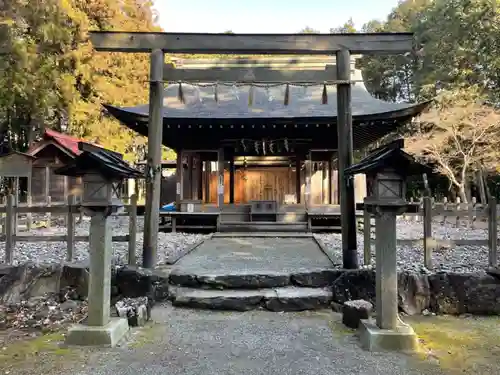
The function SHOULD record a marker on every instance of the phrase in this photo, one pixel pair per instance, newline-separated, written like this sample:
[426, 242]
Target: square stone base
[108, 335]
[403, 338]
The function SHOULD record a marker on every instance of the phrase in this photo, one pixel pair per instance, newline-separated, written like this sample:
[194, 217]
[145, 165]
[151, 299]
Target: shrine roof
[390, 156]
[106, 162]
[266, 105]
[66, 142]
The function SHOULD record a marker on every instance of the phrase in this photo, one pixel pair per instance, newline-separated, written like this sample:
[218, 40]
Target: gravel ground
[186, 342]
[170, 245]
[470, 258]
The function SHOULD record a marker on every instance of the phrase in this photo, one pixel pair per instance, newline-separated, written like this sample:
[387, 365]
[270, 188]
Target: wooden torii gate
[342, 45]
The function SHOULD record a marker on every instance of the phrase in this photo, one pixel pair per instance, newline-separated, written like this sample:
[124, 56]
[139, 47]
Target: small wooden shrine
[16, 168]
[33, 173]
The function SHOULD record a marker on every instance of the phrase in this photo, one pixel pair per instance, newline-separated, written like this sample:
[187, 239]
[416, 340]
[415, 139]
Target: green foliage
[308, 30]
[457, 61]
[53, 78]
[458, 46]
[347, 27]
[461, 44]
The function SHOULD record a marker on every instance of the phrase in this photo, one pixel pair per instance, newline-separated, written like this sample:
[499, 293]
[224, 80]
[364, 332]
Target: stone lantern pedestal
[387, 332]
[102, 172]
[100, 329]
[386, 170]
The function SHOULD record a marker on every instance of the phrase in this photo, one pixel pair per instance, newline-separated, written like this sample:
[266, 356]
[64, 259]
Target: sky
[266, 16]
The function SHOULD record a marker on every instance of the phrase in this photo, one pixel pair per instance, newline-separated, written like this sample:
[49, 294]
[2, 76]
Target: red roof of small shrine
[65, 141]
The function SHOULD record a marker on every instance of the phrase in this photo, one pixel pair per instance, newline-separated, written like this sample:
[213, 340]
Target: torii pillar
[345, 157]
[153, 167]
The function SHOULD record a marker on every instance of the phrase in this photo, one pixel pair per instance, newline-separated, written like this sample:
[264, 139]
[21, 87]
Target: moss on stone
[27, 352]
[50, 342]
[461, 345]
[144, 336]
[338, 328]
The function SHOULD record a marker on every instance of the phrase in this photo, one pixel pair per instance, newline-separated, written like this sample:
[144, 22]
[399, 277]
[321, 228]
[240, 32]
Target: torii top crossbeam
[251, 44]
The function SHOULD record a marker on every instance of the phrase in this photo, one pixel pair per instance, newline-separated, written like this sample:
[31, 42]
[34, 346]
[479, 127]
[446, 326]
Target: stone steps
[273, 299]
[318, 278]
[241, 292]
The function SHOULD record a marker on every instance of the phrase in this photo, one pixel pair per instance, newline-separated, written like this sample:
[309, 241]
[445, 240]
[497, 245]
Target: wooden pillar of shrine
[199, 177]
[297, 178]
[179, 186]
[337, 182]
[307, 188]
[208, 174]
[191, 176]
[324, 183]
[220, 178]
[330, 181]
[46, 188]
[231, 179]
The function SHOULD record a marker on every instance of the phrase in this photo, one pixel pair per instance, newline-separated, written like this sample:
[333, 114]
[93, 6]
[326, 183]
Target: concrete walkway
[191, 342]
[241, 254]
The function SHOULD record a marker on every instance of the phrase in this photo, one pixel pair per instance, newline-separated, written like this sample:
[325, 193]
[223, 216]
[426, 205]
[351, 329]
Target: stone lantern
[387, 170]
[101, 172]
[101, 193]
[387, 189]
[386, 183]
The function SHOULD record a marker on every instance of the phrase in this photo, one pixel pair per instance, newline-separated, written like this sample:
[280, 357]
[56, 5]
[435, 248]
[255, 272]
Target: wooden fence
[473, 212]
[10, 233]
[27, 218]
[429, 209]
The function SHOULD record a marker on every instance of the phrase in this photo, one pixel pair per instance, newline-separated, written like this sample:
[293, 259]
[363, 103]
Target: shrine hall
[260, 156]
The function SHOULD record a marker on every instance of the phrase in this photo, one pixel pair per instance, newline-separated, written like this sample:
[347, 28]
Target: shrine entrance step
[277, 299]
[262, 226]
[278, 272]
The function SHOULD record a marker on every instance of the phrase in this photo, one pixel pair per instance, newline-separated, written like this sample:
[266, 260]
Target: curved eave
[134, 117]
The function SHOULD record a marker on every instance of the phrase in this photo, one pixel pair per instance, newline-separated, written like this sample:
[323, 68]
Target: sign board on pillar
[220, 189]
[178, 188]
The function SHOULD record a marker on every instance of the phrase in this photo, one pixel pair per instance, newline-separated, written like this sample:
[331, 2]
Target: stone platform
[278, 272]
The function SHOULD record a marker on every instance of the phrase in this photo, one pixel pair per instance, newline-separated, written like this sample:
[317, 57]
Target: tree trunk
[461, 193]
[468, 191]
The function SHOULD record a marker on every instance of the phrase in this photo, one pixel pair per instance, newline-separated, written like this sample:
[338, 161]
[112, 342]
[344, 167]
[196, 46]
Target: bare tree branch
[463, 134]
